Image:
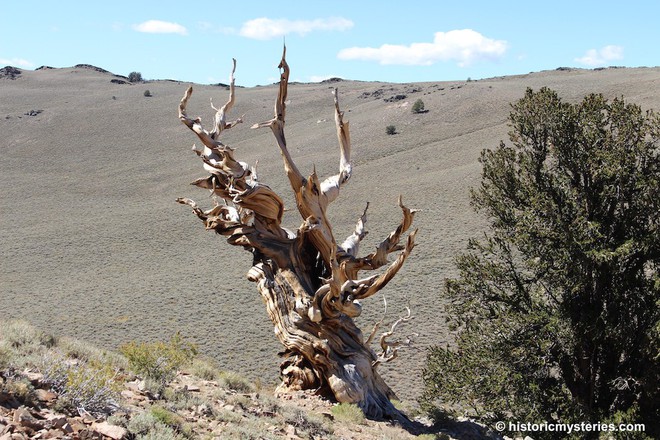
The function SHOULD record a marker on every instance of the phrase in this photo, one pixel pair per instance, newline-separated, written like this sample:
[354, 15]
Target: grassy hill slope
[94, 246]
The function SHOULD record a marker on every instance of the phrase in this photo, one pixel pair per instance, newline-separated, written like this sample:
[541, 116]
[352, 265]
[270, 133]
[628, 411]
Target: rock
[58, 421]
[113, 431]
[45, 396]
[67, 428]
[24, 418]
[291, 433]
[77, 426]
[6, 436]
[52, 433]
[130, 395]
[141, 385]
[88, 434]
[204, 410]
[192, 388]
[34, 378]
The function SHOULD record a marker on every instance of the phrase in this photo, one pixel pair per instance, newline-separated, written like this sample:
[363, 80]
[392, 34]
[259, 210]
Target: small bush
[135, 77]
[145, 426]
[418, 107]
[84, 351]
[348, 412]
[182, 399]
[167, 417]
[236, 382]
[92, 386]
[308, 423]
[20, 388]
[159, 361]
[22, 336]
[390, 129]
[205, 369]
[147, 93]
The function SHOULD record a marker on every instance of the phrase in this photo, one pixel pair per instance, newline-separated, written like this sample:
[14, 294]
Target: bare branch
[277, 125]
[221, 113]
[377, 324]
[331, 186]
[390, 350]
[351, 245]
[376, 283]
[391, 244]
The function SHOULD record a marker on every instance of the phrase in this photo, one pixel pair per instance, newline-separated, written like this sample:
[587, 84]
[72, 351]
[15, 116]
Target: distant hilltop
[12, 72]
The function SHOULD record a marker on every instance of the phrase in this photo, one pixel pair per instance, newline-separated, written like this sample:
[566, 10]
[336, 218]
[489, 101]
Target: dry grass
[94, 246]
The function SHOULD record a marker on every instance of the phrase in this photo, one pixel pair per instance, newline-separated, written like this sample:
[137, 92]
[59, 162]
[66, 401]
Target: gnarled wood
[308, 282]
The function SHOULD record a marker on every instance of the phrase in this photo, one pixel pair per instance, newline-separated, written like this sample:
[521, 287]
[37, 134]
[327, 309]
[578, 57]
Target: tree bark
[308, 282]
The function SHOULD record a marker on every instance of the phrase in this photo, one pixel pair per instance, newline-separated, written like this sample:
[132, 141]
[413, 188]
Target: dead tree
[309, 283]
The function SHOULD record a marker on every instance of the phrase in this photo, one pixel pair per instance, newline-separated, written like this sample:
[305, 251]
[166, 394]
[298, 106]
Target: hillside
[95, 247]
[63, 388]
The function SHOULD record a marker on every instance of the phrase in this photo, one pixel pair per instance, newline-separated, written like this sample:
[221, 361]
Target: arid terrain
[94, 246]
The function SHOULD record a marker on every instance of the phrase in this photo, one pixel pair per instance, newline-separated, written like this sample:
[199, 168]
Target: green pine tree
[557, 307]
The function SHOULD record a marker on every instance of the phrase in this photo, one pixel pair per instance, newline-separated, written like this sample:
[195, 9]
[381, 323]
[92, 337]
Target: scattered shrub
[145, 426]
[159, 361]
[348, 413]
[205, 369]
[84, 351]
[89, 385]
[308, 423]
[167, 417]
[236, 382]
[182, 399]
[135, 77]
[18, 387]
[22, 336]
[390, 129]
[418, 107]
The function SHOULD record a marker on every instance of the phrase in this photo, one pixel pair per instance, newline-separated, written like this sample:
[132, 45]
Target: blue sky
[394, 41]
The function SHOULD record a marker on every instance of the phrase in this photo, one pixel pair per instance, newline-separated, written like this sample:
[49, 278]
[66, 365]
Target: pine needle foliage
[557, 306]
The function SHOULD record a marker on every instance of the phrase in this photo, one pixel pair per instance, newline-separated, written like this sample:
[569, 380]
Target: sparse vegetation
[135, 77]
[558, 307]
[88, 385]
[418, 107]
[159, 361]
[390, 129]
[73, 378]
[348, 413]
[236, 382]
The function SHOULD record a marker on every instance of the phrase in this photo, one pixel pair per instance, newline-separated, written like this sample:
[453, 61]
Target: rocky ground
[198, 402]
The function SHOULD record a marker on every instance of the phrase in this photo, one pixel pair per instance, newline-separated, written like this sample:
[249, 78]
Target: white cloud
[601, 57]
[16, 62]
[463, 46]
[160, 27]
[267, 28]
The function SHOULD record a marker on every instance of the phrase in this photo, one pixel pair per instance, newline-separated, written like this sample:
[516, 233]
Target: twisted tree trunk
[308, 282]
